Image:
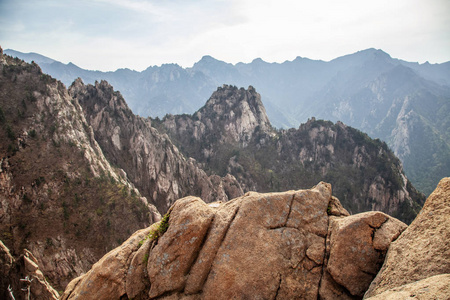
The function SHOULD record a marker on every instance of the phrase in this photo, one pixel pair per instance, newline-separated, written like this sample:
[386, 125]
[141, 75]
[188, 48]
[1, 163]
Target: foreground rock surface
[423, 250]
[434, 287]
[258, 246]
[357, 247]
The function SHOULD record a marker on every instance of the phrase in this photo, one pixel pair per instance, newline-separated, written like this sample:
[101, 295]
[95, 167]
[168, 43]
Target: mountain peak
[241, 111]
[208, 58]
[231, 116]
[208, 61]
[258, 61]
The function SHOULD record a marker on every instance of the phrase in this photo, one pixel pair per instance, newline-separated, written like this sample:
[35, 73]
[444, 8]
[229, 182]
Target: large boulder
[422, 250]
[357, 248]
[258, 246]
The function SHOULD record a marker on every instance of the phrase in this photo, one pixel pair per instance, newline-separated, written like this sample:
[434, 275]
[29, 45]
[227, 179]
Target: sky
[110, 34]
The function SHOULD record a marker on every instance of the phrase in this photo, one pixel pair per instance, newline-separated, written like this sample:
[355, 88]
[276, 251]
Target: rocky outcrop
[6, 264]
[149, 158]
[232, 134]
[232, 114]
[422, 251]
[258, 246]
[22, 278]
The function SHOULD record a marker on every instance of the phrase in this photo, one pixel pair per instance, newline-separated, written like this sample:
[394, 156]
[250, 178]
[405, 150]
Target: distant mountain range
[403, 103]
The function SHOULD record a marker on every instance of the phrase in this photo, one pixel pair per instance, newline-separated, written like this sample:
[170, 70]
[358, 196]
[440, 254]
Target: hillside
[232, 134]
[403, 103]
[59, 196]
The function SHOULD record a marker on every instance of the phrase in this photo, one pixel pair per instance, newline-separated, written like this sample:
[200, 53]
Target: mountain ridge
[356, 88]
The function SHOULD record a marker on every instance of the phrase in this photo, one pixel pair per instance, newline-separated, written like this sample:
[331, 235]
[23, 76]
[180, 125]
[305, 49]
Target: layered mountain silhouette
[404, 104]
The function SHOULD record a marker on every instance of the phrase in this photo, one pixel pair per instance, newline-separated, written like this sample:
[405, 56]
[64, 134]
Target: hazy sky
[111, 34]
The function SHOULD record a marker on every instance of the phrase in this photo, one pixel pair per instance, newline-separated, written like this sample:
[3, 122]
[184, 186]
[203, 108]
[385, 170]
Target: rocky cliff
[149, 158]
[59, 196]
[232, 134]
[293, 245]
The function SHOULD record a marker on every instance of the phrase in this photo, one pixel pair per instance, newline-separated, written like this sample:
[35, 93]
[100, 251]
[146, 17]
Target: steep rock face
[59, 196]
[6, 264]
[149, 158]
[366, 174]
[258, 246]
[423, 250]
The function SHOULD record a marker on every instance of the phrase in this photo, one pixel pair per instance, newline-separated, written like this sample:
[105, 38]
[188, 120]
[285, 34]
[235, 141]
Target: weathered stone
[434, 287]
[171, 260]
[107, 278]
[6, 263]
[258, 246]
[387, 233]
[200, 270]
[23, 275]
[335, 208]
[423, 249]
[247, 247]
[262, 253]
[6, 260]
[354, 260]
[330, 290]
[316, 253]
[137, 276]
